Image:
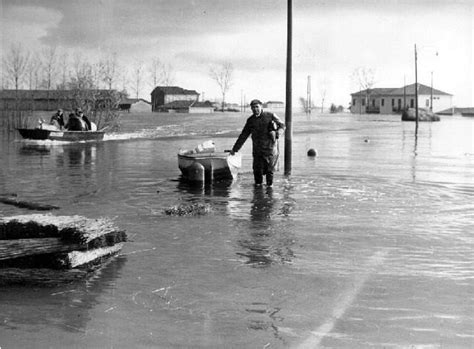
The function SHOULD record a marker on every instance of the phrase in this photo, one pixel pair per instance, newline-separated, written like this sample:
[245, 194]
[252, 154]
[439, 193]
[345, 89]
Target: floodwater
[368, 245]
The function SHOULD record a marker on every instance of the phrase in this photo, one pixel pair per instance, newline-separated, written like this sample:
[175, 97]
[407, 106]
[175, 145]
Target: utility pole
[404, 92]
[431, 96]
[308, 95]
[416, 92]
[288, 121]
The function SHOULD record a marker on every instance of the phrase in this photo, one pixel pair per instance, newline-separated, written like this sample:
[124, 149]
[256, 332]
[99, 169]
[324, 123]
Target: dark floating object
[26, 204]
[312, 152]
[423, 115]
[49, 250]
[188, 210]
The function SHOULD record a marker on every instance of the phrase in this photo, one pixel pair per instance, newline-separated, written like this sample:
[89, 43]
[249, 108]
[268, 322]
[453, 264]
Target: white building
[393, 100]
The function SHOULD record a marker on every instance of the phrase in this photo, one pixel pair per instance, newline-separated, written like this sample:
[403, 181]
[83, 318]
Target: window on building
[393, 102]
[427, 103]
[373, 102]
[382, 102]
[412, 103]
[354, 102]
[399, 102]
[363, 102]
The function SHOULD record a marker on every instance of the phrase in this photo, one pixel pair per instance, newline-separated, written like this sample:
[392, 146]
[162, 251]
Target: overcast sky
[331, 38]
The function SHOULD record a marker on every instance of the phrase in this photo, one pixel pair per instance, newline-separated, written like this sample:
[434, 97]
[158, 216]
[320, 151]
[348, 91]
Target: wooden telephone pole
[416, 91]
[288, 116]
[308, 95]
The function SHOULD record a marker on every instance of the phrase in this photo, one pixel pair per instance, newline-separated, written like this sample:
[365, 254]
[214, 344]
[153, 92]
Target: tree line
[51, 68]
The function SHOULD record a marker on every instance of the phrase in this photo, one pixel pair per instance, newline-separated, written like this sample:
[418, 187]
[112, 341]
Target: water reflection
[35, 149]
[415, 154]
[267, 241]
[215, 188]
[66, 307]
[79, 156]
[262, 207]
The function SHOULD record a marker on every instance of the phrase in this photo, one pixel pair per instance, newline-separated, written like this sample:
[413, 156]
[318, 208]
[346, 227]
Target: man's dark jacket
[260, 127]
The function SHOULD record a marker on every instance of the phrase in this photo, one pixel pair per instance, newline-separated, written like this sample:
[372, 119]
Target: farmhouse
[394, 100]
[274, 105]
[137, 105]
[163, 95]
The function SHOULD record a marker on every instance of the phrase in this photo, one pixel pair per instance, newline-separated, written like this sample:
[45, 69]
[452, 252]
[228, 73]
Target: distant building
[274, 105]
[55, 99]
[137, 105]
[163, 95]
[394, 100]
[191, 107]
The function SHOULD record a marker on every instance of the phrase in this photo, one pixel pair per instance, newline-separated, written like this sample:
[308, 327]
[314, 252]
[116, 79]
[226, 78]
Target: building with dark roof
[54, 99]
[394, 100]
[162, 95]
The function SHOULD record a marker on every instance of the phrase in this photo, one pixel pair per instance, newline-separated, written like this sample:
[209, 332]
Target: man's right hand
[232, 152]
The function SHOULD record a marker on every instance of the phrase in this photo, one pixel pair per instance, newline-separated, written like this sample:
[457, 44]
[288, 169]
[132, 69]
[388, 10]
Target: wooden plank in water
[77, 258]
[75, 229]
[87, 230]
[34, 225]
[40, 276]
[28, 247]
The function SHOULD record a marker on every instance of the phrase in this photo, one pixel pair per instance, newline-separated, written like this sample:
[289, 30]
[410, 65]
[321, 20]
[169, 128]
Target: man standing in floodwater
[265, 129]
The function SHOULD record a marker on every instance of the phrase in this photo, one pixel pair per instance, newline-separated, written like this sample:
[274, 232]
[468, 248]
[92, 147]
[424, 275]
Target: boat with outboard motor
[50, 132]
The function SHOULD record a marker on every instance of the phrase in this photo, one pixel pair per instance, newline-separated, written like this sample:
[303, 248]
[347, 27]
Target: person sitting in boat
[78, 121]
[75, 123]
[58, 119]
[80, 114]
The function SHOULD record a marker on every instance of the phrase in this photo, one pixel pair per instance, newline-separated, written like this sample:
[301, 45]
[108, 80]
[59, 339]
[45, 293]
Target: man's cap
[255, 102]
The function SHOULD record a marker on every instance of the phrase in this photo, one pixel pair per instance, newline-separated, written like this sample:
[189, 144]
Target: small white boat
[204, 164]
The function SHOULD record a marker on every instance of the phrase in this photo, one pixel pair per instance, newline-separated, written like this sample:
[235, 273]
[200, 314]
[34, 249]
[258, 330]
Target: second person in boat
[78, 121]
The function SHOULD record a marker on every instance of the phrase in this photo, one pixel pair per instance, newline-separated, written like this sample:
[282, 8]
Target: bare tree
[82, 74]
[48, 63]
[124, 80]
[323, 97]
[155, 68]
[108, 70]
[64, 69]
[138, 76]
[33, 71]
[223, 76]
[364, 78]
[167, 74]
[16, 65]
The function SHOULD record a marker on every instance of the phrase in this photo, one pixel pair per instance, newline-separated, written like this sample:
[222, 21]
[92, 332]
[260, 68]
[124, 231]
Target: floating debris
[27, 204]
[188, 209]
[47, 249]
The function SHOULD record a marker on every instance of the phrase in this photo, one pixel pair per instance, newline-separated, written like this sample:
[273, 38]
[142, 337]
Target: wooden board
[77, 258]
[75, 229]
[28, 247]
